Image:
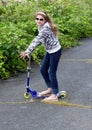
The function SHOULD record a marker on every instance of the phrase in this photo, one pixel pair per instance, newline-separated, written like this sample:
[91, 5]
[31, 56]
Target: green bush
[17, 27]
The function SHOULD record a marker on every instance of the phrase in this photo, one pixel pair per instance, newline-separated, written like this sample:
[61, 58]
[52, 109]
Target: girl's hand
[24, 54]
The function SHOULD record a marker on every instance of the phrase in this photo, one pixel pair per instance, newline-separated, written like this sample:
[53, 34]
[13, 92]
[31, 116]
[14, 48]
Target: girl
[48, 36]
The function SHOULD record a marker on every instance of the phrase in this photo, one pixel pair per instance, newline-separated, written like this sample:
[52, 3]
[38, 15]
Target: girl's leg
[44, 71]
[54, 60]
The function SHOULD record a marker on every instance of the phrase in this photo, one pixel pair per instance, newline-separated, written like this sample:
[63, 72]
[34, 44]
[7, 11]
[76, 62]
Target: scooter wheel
[26, 95]
[63, 94]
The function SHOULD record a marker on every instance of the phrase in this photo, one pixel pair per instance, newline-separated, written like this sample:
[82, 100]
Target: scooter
[29, 92]
[33, 93]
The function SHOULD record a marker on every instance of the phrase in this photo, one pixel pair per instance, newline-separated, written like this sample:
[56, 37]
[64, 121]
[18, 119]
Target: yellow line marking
[60, 103]
[63, 103]
[79, 60]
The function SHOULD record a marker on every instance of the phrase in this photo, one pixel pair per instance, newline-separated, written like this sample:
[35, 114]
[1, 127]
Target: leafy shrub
[17, 27]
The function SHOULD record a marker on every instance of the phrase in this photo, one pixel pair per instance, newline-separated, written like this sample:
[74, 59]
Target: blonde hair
[47, 18]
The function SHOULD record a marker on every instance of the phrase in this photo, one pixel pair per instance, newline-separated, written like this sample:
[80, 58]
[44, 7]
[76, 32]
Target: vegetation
[17, 28]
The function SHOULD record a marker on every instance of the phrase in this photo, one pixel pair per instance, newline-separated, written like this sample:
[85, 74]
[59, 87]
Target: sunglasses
[39, 19]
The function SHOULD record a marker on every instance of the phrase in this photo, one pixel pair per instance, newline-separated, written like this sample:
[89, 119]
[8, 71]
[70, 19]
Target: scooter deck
[41, 99]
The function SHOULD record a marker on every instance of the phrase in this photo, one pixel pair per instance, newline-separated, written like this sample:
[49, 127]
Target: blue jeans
[49, 68]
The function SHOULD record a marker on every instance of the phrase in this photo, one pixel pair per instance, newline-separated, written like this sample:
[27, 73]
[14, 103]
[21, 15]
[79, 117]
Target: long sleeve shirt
[47, 37]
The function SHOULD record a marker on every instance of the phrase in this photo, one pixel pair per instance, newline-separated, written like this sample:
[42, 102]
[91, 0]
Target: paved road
[74, 75]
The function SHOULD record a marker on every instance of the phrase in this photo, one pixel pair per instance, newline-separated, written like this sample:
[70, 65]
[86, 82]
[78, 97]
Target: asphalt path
[74, 76]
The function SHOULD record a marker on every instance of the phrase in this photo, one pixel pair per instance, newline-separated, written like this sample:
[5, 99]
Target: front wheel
[26, 95]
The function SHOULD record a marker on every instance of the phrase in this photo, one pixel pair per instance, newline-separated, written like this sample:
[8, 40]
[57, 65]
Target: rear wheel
[62, 94]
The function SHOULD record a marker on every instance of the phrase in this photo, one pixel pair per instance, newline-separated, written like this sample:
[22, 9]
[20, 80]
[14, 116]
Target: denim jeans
[49, 68]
